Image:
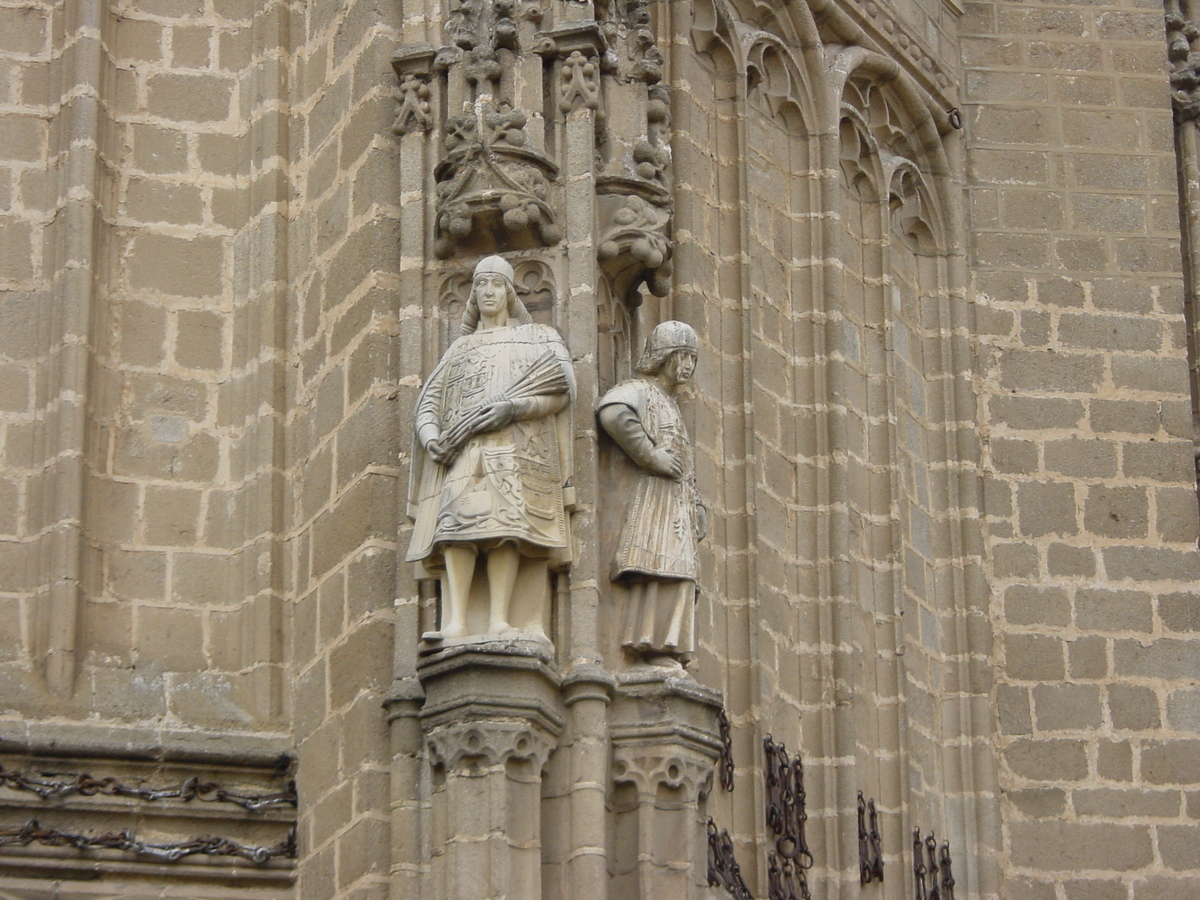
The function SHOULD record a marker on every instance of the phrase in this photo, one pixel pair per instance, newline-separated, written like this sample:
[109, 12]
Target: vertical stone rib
[261, 266]
[75, 243]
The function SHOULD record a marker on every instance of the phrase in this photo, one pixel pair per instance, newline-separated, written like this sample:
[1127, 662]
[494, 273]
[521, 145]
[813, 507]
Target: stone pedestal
[492, 715]
[665, 745]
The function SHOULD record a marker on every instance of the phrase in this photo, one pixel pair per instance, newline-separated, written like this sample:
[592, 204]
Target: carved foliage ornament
[478, 31]
[580, 78]
[1184, 55]
[413, 99]
[489, 179]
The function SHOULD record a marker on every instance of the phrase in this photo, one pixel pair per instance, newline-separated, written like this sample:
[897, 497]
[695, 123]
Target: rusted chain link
[929, 860]
[32, 833]
[189, 789]
[788, 863]
[870, 852]
[723, 869]
[725, 760]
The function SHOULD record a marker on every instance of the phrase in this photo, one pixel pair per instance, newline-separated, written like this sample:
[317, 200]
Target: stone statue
[492, 457]
[656, 550]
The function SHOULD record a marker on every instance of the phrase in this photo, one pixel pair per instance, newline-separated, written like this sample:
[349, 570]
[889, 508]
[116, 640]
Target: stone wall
[946, 446]
[1084, 408]
[342, 494]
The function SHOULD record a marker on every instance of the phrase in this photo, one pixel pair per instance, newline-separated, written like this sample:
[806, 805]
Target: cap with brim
[493, 265]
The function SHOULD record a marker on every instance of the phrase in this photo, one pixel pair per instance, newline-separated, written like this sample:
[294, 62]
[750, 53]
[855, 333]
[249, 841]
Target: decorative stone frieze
[482, 744]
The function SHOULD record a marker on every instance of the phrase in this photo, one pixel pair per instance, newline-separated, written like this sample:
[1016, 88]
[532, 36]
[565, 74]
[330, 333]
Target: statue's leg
[460, 570]
[502, 566]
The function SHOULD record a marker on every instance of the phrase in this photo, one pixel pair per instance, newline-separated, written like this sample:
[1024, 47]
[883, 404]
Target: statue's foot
[665, 660]
[502, 628]
[446, 634]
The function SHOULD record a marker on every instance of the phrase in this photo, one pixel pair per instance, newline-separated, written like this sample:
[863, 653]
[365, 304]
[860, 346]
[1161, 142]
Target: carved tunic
[658, 539]
[504, 485]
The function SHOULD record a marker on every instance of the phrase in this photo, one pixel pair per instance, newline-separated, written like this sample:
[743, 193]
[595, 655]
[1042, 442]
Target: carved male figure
[492, 443]
[656, 550]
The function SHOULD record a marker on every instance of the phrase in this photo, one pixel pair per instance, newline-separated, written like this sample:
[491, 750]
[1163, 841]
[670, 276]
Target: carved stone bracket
[585, 38]
[471, 681]
[635, 216]
[490, 185]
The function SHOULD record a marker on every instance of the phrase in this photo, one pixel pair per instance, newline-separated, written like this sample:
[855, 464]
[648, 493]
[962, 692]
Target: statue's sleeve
[549, 404]
[619, 417]
[427, 423]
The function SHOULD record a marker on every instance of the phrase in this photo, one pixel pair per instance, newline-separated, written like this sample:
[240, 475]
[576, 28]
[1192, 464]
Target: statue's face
[683, 366]
[491, 293]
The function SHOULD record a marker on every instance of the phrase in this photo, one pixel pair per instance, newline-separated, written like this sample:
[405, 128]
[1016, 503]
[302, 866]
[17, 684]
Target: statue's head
[665, 340]
[488, 266]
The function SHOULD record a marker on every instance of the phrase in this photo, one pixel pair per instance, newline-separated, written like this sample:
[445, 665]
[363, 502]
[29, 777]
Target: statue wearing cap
[656, 549]
[493, 441]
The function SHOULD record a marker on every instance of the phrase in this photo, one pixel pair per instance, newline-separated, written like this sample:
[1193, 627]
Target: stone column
[665, 745]
[491, 718]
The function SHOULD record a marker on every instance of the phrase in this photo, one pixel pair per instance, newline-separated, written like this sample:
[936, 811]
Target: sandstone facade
[944, 426]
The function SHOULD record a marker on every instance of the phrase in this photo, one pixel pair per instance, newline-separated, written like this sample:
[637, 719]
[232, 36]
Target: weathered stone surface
[944, 421]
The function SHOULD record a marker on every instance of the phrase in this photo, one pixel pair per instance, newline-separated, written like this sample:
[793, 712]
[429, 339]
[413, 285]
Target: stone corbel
[634, 248]
[413, 67]
[502, 680]
[489, 181]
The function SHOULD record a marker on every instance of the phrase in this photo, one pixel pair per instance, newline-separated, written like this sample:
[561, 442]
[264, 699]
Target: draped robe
[656, 548]
[504, 485]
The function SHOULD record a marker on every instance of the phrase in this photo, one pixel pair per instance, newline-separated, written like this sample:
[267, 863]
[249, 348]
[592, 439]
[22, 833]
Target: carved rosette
[476, 746]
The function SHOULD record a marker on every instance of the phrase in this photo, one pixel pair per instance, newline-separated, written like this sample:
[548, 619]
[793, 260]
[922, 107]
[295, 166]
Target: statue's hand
[495, 416]
[441, 452]
[665, 463]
